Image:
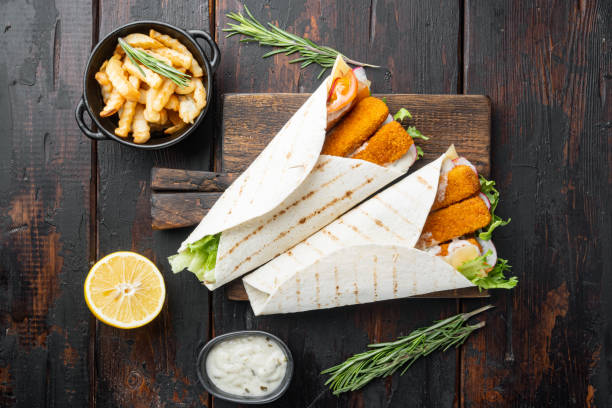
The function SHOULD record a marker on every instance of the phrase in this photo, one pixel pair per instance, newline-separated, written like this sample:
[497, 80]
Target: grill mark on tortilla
[375, 276]
[393, 210]
[356, 292]
[355, 229]
[382, 225]
[281, 212]
[337, 286]
[303, 220]
[395, 257]
[321, 165]
[329, 234]
[249, 235]
[424, 182]
[314, 248]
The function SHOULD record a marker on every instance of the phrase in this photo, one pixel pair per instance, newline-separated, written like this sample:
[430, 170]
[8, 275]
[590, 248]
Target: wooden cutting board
[180, 198]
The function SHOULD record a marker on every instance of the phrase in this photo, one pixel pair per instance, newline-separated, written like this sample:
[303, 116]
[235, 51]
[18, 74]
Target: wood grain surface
[44, 202]
[548, 342]
[152, 366]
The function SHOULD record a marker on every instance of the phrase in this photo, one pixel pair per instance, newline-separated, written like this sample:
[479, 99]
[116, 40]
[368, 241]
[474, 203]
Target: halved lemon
[125, 290]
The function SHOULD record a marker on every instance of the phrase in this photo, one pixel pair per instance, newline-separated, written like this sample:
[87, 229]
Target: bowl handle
[216, 55]
[79, 112]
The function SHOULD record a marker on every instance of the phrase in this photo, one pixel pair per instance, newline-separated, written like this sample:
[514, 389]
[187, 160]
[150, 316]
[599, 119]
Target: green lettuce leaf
[415, 133]
[199, 258]
[419, 152]
[402, 114]
[487, 187]
[475, 271]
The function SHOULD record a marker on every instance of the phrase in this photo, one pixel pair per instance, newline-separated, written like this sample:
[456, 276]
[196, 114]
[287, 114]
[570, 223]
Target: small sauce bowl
[91, 102]
[214, 390]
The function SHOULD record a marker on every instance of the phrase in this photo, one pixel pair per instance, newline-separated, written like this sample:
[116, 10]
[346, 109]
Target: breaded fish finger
[454, 221]
[354, 129]
[461, 182]
[388, 144]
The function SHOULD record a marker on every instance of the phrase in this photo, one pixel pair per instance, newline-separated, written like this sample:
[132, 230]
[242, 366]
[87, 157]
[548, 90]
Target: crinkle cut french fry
[118, 53]
[142, 41]
[196, 69]
[126, 116]
[158, 56]
[173, 103]
[103, 66]
[141, 132]
[163, 95]
[118, 78]
[153, 79]
[188, 110]
[199, 93]
[150, 114]
[105, 85]
[184, 90]
[113, 103]
[169, 42]
[176, 45]
[178, 59]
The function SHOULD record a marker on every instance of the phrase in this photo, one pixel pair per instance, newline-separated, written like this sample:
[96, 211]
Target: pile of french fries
[150, 102]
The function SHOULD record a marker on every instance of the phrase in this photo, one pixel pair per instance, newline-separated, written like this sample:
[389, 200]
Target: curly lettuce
[487, 187]
[200, 258]
[480, 273]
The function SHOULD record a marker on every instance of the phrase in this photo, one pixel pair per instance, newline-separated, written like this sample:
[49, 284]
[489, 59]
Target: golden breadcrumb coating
[462, 182]
[356, 127]
[454, 221]
[388, 144]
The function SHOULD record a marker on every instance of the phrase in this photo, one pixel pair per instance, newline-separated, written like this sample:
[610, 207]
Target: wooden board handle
[163, 179]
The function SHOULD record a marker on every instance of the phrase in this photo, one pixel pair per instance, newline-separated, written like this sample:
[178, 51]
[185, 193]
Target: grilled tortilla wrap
[366, 255]
[289, 192]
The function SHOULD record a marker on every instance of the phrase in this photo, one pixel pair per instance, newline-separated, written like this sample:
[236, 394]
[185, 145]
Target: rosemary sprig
[179, 78]
[384, 359]
[287, 43]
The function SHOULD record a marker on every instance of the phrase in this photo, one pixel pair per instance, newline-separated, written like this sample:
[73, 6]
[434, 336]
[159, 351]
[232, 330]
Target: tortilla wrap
[341, 265]
[289, 192]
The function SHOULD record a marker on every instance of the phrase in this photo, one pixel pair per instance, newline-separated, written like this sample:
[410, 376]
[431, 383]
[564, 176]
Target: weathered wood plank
[152, 366]
[178, 210]
[190, 180]
[416, 41]
[546, 66]
[44, 202]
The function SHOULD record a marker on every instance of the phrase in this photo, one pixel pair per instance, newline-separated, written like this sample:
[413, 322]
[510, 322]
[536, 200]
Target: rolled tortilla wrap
[289, 192]
[393, 219]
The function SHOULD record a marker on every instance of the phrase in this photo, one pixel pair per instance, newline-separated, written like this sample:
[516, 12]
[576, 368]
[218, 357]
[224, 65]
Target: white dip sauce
[246, 365]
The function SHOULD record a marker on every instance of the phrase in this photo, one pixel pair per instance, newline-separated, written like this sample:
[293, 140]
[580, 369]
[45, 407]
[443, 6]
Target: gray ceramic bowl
[214, 390]
[91, 102]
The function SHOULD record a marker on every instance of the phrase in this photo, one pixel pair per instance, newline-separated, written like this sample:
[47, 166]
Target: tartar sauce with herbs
[247, 365]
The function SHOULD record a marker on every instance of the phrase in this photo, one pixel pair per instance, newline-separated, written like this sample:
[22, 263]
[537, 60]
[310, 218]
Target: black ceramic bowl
[92, 103]
[214, 390]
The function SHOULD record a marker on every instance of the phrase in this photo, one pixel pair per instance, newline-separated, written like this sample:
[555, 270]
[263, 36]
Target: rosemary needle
[154, 64]
[384, 359]
[310, 53]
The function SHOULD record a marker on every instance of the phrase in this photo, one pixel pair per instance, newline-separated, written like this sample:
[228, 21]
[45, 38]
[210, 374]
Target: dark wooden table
[65, 202]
